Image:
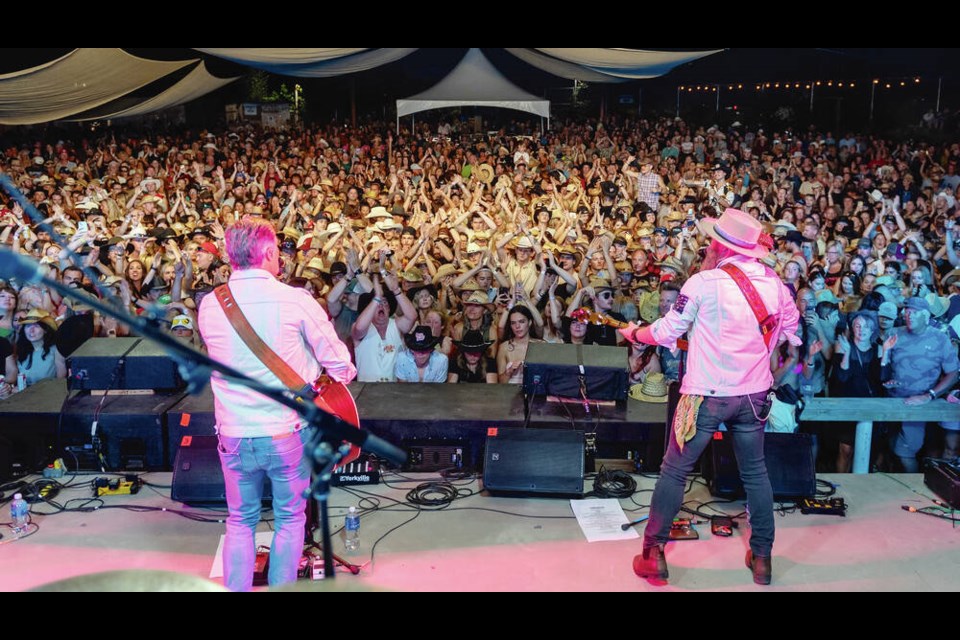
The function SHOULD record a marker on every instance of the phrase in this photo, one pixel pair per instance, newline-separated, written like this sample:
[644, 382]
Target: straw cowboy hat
[480, 298]
[378, 212]
[485, 173]
[653, 389]
[444, 271]
[40, 316]
[737, 231]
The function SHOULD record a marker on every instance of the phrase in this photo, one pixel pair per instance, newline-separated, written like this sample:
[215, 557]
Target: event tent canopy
[474, 82]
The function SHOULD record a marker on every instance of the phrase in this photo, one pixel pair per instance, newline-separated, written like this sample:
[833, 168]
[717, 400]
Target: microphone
[14, 266]
[627, 525]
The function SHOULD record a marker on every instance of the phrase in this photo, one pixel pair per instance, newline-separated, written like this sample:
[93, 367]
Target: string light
[818, 83]
[888, 85]
[807, 87]
[839, 84]
[740, 86]
[875, 81]
[852, 85]
[917, 80]
[903, 84]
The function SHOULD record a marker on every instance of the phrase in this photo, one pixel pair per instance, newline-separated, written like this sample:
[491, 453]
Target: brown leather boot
[762, 567]
[651, 564]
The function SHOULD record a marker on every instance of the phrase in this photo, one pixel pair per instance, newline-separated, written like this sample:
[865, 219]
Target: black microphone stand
[196, 369]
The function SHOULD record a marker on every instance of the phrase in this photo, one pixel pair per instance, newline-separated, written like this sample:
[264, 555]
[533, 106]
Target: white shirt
[376, 356]
[294, 325]
[727, 355]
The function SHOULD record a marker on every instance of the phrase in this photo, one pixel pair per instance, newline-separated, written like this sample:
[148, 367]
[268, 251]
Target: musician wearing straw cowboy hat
[735, 311]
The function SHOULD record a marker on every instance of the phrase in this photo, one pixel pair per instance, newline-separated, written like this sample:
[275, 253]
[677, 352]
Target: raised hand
[890, 342]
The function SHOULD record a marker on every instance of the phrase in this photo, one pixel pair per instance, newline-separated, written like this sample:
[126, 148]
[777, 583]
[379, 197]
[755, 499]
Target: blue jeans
[246, 462]
[739, 414]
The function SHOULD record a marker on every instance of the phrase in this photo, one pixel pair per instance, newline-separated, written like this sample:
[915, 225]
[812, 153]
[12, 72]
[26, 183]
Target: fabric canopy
[632, 64]
[81, 80]
[271, 56]
[474, 82]
[197, 83]
[561, 68]
[312, 63]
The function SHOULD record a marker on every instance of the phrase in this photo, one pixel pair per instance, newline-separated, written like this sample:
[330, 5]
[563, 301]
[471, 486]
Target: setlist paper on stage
[602, 519]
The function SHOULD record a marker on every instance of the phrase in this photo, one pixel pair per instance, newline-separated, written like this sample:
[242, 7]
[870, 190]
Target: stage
[483, 543]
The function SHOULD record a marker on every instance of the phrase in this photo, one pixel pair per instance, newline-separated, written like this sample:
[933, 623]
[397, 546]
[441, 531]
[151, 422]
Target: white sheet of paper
[263, 539]
[601, 519]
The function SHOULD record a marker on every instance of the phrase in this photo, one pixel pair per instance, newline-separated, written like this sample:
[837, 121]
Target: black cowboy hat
[473, 342]
[421, 339]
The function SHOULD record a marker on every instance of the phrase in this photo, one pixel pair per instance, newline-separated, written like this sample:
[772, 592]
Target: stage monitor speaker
[790, 465]
[533, 462]
[130, 428]
[95, 365]
[555, 370]
[197, 476]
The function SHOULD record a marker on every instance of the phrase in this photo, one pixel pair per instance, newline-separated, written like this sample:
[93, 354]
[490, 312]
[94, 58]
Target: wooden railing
[866, 411]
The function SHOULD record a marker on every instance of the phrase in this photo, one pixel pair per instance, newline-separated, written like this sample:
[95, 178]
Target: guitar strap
[290, 378]
[768, 323]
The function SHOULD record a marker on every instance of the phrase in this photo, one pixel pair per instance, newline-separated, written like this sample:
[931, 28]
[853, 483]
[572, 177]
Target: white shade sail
[474, 82]
[561, 68]
[197, 83]
[270, 56]
[633, 64]
[79, 81]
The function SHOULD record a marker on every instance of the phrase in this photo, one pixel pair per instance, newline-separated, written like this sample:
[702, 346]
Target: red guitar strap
[767, 322]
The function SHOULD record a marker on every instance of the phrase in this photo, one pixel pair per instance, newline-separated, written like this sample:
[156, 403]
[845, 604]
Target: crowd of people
[441, 254]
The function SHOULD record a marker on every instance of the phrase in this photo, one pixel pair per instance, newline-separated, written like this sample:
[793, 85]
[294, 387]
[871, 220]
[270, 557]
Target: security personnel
[727, 380]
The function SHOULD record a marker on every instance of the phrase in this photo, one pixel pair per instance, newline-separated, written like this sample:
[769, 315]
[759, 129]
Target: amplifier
[943, 479]
[364, 470]
[95, 365]
[555, 370]
[429, 454]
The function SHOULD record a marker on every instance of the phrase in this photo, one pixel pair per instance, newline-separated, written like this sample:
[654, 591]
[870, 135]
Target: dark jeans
[741, 420]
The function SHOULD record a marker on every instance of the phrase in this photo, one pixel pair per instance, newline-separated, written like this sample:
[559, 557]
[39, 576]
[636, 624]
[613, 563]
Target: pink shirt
[294, 325]
[727, 355]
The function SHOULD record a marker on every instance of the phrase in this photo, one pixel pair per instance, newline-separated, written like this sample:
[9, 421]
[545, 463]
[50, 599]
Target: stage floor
[484, 543]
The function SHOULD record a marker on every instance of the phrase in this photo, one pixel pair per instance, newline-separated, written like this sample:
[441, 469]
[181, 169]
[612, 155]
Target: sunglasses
[605, 294]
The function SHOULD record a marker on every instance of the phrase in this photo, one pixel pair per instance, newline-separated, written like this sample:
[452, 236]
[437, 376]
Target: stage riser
[155, 425]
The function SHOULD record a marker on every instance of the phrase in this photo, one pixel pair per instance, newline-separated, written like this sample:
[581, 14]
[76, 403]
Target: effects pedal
[682, 529]
[831, 507]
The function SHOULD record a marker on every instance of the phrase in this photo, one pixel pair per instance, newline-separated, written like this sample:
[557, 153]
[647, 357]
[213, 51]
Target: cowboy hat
[473, 342]
[444, 271]
[653, 389]
[479, 298]
[737, 231]
[485, 173]
[421, 339]
[40, 316]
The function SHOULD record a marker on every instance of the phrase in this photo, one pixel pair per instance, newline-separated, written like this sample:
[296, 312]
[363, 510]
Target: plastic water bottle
[19, 515]
[352, 528]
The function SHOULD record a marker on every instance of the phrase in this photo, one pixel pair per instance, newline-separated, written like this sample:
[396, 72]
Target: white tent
[474, 82]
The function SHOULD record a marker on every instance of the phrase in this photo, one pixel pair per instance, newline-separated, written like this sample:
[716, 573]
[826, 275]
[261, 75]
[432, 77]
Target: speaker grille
[534, 461]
